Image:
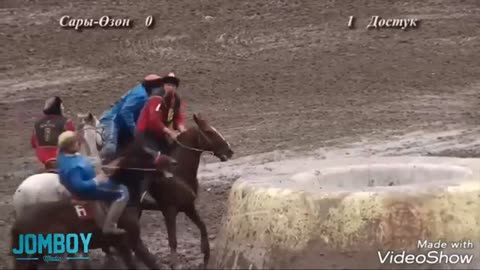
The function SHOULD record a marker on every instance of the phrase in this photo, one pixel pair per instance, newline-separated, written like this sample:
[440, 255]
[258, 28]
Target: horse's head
[89, 135]
[88, 119]
[212, 140]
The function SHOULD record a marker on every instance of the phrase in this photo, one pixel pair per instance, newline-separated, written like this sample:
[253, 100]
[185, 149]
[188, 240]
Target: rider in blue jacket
[119, 122]
[77, 174]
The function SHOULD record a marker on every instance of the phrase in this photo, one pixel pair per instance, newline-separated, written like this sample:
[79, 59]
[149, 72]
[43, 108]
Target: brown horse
[170, 199]
[63, 216]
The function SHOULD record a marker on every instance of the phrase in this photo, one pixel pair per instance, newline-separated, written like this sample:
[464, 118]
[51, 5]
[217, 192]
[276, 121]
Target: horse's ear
[199, 120]
[90, 117]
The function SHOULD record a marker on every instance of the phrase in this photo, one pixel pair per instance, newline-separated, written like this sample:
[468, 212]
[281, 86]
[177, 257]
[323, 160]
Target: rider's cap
[53, 105]
[66, 139]
[171, 78]
[152, 77]
[152, 81]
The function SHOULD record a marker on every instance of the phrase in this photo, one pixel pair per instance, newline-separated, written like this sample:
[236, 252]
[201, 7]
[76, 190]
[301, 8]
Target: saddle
[85, 210]
[51, 166]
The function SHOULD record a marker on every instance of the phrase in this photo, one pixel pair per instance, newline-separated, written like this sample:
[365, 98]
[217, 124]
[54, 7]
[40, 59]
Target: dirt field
[271, 75]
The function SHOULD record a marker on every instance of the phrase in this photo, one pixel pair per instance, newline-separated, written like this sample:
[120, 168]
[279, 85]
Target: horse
[32, 189]
[91, 135]
[63, 217]
[170, 199]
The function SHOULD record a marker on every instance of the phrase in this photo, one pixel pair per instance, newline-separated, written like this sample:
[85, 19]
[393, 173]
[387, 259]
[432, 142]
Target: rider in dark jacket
[46, 131]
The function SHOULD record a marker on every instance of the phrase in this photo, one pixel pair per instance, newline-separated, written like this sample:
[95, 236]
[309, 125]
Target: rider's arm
[133, 103]
[33, 139]
[156, 115]
[78, 184]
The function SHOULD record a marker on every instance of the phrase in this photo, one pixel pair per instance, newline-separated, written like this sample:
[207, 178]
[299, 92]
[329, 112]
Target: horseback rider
[77, 174]
[158, 123]
[46, 131]
[119, 122]
[162, 117]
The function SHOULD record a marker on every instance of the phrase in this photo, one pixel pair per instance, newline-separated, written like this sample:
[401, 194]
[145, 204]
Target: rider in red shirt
[176, 106]
[46, 131]
[162, 117]
[152, 127]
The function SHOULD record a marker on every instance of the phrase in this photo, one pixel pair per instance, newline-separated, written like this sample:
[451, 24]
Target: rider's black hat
[53, 105]
[171, 78]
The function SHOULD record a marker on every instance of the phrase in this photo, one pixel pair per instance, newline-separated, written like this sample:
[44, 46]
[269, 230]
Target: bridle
[197, 149]
[182, 145]
[99, 132]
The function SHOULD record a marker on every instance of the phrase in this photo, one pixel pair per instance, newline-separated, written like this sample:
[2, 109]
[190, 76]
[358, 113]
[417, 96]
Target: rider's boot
[113, 215]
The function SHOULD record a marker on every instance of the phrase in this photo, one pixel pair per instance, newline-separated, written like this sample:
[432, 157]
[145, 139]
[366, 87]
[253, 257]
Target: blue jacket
[127, 110]
[76, 173]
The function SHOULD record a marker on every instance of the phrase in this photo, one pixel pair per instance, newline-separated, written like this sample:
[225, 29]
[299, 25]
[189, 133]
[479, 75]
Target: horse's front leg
[142, 252]
[126, 254]
[132, 226]
[193, 215]
[170, 215]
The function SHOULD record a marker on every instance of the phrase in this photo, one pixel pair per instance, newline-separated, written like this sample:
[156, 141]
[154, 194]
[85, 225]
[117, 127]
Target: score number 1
[351, 22]
[149, 22]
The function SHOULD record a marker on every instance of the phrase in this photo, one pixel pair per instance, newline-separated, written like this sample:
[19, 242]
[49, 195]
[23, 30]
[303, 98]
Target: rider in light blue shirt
[120, 120]
[77, 174]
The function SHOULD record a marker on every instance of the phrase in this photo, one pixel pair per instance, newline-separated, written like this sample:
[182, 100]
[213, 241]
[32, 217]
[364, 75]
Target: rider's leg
[119, 196]
[156, 149]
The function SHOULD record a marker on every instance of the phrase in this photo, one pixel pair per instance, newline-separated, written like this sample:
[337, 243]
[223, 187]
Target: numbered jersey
[45, 136]
[48, 129]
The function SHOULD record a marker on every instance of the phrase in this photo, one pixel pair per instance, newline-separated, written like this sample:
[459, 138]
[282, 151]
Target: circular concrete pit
[355, 207]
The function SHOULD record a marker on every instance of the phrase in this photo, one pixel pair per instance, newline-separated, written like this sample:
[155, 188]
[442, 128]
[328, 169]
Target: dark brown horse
[172, 198]
[61, 217]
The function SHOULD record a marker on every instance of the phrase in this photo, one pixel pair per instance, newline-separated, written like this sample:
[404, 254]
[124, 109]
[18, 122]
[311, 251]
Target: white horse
[92, 135]
[46, 187]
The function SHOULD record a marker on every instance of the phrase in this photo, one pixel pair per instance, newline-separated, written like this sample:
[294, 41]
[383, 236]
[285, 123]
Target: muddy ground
[270, 75]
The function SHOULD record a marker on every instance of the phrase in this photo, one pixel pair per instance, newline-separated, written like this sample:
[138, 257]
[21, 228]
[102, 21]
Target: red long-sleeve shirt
[45, 136]
[153, 117]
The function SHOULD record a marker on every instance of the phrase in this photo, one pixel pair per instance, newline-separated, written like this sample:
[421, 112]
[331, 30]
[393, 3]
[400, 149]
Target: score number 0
[149, 21]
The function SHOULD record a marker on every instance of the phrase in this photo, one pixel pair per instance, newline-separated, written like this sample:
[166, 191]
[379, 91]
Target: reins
[100, 133]
[193, 148]
[128, 168]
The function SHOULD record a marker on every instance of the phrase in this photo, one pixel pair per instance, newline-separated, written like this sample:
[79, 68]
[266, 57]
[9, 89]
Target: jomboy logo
[54, 244]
